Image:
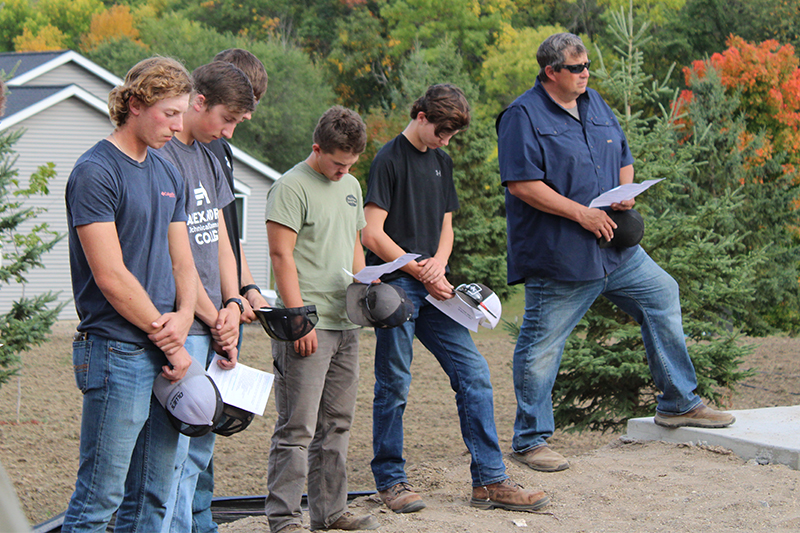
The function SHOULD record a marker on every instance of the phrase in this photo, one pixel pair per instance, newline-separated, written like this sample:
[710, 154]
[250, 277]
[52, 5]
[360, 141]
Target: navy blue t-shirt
[539, 140]
[142, 199]
[416, 189]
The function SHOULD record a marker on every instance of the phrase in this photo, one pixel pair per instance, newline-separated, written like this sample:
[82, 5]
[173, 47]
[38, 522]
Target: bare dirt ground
[612, 485]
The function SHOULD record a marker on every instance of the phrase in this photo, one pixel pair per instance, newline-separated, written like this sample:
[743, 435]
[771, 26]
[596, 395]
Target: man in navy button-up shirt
[560, 146]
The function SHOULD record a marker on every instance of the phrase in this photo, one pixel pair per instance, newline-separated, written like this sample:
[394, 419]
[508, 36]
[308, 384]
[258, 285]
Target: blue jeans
[468, 371]
[192, 457]
[127, 446]
[552, 310]
[202, 520]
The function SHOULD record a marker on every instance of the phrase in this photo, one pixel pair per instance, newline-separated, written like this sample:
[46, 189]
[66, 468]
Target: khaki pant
[315, 397]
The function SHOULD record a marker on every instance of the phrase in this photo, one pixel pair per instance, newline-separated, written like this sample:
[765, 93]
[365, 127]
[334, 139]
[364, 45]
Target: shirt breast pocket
[606, 132]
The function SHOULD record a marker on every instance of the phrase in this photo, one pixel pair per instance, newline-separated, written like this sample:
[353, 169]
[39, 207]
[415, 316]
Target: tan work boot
[699, 417]
[507, 495]
[350, 522]
[401, 499]
[542, 459]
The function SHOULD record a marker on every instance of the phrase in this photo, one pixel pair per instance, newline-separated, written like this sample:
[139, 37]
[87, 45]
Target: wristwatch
[243, 290]
[237, 301]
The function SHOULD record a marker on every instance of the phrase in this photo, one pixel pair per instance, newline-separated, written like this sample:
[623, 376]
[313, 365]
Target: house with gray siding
[59, 100]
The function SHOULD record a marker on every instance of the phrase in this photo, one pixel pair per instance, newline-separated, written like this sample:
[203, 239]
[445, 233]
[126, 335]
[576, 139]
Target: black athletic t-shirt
[416, 189]
[222, 150]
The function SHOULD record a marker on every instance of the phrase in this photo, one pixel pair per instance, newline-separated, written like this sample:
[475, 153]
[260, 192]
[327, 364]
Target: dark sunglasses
[575, 69]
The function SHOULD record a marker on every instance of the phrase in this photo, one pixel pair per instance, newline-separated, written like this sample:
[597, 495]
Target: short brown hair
[445, 106]
[250, 65]
[221, 82]
[556, 50]
[150, 81]
[342, 129]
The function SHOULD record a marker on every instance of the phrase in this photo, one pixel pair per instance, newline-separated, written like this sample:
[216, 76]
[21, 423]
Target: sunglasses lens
[577, 69]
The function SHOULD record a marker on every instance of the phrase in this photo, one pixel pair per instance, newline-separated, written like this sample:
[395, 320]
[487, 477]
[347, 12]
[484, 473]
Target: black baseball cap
[287, 323]
[630, 229]
[233, 420]
[379, 305]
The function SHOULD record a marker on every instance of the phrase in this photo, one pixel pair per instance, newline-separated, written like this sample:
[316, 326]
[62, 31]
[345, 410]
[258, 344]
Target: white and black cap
[482, 298]
[193, 404]
[379, 305]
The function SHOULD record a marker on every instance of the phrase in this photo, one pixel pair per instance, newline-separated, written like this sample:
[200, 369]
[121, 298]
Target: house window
[241, 207]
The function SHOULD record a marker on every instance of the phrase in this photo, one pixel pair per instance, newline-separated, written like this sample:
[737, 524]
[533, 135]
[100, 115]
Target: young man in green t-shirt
[314, 216]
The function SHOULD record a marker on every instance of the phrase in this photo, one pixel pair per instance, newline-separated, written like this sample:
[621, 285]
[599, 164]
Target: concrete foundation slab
[768, 435]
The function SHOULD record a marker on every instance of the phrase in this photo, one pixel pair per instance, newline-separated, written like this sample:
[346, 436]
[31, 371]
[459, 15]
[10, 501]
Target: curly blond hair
[149, 81]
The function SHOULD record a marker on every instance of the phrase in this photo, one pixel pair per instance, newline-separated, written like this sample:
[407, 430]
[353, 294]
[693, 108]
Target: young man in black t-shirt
[408, 207]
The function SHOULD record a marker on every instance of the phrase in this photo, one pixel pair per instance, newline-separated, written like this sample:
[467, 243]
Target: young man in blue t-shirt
[135, 289]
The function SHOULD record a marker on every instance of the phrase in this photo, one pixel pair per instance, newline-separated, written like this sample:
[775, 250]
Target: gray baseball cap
[193, 404]
[379, 305]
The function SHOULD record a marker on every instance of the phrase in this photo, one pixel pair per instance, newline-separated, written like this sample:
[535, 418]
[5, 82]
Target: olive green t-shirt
[326, 215]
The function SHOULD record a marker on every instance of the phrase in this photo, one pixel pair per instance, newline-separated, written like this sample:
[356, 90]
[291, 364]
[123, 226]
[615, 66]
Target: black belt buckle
[80, 336]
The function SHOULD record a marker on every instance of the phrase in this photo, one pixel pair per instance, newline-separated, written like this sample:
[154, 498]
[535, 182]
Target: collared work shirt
[539, 140]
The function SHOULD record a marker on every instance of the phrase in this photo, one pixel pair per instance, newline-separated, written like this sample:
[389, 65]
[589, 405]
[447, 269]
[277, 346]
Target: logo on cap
[194, 405]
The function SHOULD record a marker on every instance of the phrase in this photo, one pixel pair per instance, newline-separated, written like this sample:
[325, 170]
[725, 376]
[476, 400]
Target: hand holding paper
[242, 386]
[371, 273]
[622, 193]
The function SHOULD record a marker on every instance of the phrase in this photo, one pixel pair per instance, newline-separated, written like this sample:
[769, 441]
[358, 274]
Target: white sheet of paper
[242, 386]
[623, 192]
[463, 313]
[371, 273]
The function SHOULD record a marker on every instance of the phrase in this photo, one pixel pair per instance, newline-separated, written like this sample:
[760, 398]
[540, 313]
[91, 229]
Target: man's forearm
[446, 238]
[287, 280]
[282, 240]
[186, 283]
[539, 195]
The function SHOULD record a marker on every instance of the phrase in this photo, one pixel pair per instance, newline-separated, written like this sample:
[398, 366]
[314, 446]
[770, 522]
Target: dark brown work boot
[700, 417]
[401, 499]
[509, 496]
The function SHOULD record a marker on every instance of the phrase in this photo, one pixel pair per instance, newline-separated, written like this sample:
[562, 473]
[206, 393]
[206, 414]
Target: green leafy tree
[510, 67]
[22, 244]
[244, 17]
[360, 64]
[766, 219]
[67, 19]
[424, 24]
[13, 14]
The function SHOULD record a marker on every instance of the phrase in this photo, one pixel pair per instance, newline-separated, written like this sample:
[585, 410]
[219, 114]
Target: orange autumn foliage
[767, 78]
[112, 23]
